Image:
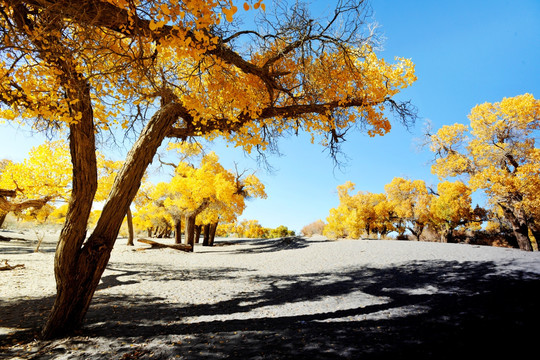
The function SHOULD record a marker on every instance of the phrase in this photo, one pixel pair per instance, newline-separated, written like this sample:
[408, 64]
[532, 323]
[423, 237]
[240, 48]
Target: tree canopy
[498, 155]
[179, 70]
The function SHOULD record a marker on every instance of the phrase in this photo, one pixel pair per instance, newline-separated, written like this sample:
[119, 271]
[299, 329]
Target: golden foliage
[499, 157]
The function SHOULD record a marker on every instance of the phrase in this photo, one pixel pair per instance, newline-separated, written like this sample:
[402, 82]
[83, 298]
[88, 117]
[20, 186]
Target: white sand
[247, 291]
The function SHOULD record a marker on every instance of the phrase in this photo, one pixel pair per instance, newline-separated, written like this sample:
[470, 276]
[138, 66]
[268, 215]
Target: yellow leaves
[46, 172]
[452, 205]
[230, 12]
[256, 6]
[165, 9]
[208, 189]
[153, 26]
[500, 158]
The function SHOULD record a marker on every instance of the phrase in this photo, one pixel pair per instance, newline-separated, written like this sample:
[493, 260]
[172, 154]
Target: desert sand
[281, 298]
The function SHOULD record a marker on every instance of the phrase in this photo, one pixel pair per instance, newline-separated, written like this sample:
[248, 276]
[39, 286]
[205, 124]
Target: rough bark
[213, 229]
[178, 230]
[206, 235]
[3, 215]
[79, 269]
[7, 193]
[10, 206]
[131, 234]
[446, 235]
[197, 236]
[74, 266]
[190, 230]
[519, 226]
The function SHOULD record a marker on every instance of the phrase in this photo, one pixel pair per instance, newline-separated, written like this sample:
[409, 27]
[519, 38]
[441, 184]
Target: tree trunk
[3, 215]
[190, 230]
[206, 235]
[198, 229]
[78, 268]
[178, 230]
[535, 231]
[519, 227]
[131, 234]
[213, 229]
[446, 235]
[75, 265]
[416, 230]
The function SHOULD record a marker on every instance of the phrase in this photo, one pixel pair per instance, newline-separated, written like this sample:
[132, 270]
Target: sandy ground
[282, 298]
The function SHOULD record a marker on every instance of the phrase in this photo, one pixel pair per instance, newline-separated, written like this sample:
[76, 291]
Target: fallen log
[9, 267]
[156, 245]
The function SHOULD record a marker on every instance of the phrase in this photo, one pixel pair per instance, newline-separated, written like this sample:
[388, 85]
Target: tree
[315, 228]
[76, 65]
[500, 158]
[211, 188]
[336, 227]
[450, 208]
[281, 231]
[43, 177]
[228, 209]
[410, 201]
[363, 213]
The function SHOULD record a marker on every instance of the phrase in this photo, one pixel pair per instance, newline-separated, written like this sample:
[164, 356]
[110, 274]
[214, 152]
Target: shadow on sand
[432, 310]
[258, 246]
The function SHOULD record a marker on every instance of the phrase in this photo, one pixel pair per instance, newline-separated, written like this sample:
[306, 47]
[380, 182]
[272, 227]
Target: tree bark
[178, 230]
[519, 227]
[190, 230]
[131, 234]
[213, 229]
[79, 269]
[3, 215]
[535, 231]
[206, 235]
[75, 266]
[197, 237]
[446, 235]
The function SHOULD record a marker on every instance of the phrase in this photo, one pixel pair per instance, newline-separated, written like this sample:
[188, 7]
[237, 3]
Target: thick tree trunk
[74, 266]
[190, 230]
[213, 229]
[446, 235]
[131, 234]
[178, 230]
[206, 235]
[198, 229]
[79, 269]
[519, 227]
[3, 215]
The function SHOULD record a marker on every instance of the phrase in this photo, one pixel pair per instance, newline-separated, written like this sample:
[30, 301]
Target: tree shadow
[258, 246]
[422, 310]
[13, 245]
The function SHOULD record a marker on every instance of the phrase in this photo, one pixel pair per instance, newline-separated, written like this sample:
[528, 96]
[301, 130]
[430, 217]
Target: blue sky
[465, 52]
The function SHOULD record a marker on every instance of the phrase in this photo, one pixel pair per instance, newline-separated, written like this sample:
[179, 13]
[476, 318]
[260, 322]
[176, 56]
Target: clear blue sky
[465, 52]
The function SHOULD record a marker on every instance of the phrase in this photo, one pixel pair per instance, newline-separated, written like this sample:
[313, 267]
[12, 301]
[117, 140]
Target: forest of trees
[206, 195]
[498, 158]
[186, 72]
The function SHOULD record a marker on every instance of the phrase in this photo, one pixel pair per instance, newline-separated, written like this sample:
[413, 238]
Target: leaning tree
[179, 70]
